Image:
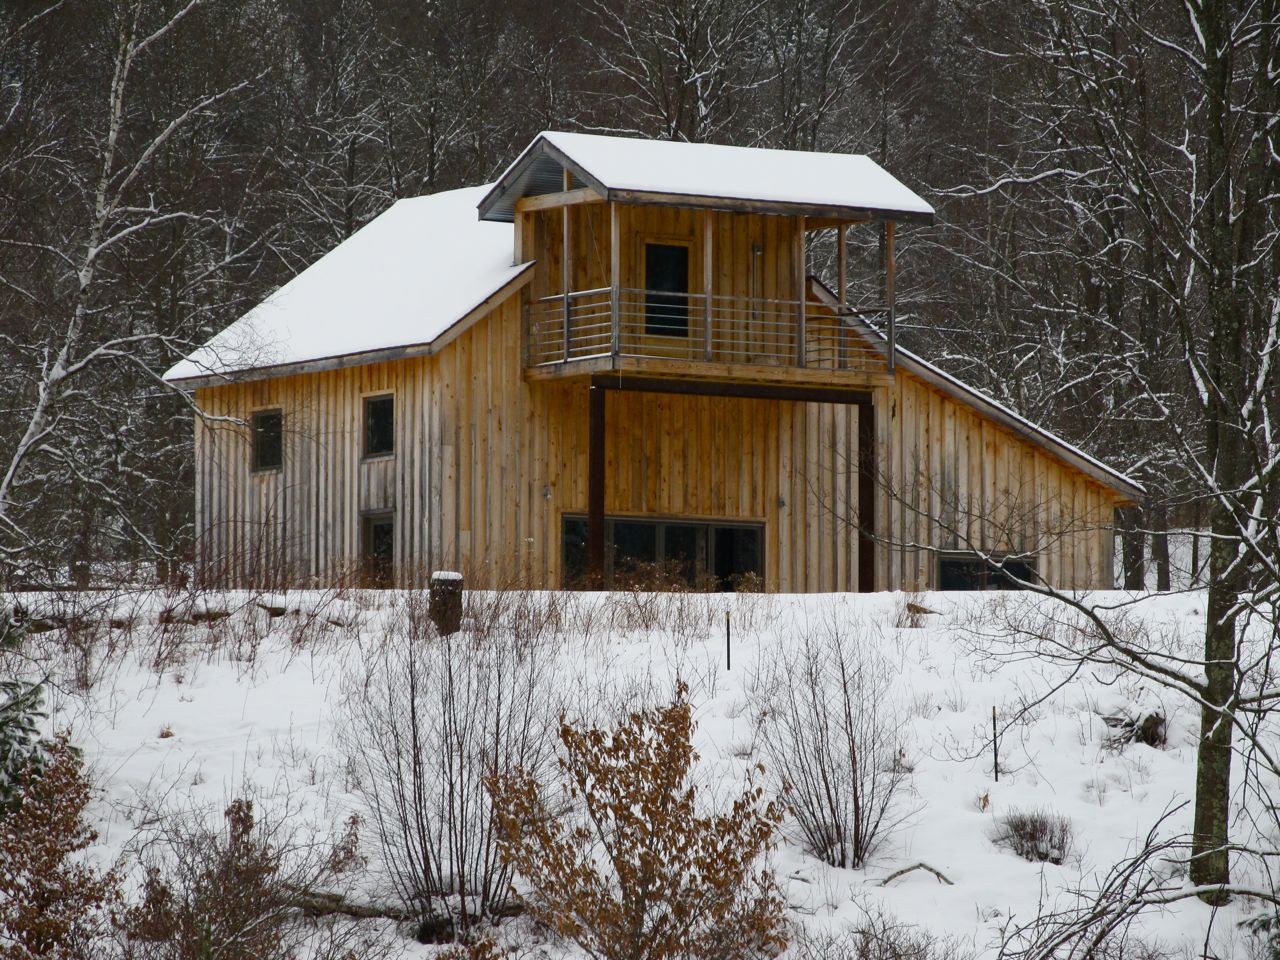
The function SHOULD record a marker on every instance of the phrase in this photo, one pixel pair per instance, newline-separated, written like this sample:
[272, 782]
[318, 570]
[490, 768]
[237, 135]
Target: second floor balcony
[696, 334]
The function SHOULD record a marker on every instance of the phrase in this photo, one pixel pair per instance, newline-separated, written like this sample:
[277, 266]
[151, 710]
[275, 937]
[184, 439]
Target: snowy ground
[187, 717]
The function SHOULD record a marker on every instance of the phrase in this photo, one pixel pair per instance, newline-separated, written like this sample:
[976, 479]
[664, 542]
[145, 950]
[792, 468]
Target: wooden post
[842, 282]
[566, 271]
[444, 606]
[800, 277]
[707, 275]
[595, 485]
[866, 498]
[890, 269]
[615, 278]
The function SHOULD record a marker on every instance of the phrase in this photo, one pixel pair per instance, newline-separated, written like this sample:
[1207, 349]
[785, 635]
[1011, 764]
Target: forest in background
[1100, 181]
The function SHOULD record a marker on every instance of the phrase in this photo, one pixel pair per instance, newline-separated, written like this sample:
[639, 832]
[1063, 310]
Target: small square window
[268, 439]
[379, 426]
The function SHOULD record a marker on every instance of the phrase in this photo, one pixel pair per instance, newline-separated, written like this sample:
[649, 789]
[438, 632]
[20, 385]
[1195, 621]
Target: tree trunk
[1132, 548]
[1210, 863]
[1158, 524]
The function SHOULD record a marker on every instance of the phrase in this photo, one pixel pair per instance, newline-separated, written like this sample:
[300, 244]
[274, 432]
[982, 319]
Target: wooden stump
[445, 607]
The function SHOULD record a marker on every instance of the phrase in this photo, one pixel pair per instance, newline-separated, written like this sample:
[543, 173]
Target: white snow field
[187, 717]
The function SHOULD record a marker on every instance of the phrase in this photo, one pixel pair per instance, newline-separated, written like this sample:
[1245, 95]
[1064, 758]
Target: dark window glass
[738, 558]
[974, 573]
[634, 544]
[268, 439]
[666, 281]
[680, 550]
[701, 554]
[379, 426]
[574, 551]
[378, 550]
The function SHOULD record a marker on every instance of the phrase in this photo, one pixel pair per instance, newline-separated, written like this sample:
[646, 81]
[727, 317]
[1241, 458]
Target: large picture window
[700, 554]
[267, 427]
[666, 283]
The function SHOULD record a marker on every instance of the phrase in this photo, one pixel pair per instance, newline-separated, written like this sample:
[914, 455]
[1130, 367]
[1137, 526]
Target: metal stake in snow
[995, 744]
[728, 650]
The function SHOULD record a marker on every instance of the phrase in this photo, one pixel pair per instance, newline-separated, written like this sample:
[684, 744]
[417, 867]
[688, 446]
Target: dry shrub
[206, 893]
[425, 723]
[832, 735]
[622, 861]
[910, 612]
[878, 936]
[1036, 835]
[51, 903]
[236, 893]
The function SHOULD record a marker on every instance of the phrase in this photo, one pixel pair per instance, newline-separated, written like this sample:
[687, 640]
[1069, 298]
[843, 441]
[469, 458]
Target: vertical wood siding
[486, 463]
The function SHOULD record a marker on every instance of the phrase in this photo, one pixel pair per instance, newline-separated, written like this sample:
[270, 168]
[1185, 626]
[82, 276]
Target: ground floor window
[969, 571]
[699, 554]
[377, 549]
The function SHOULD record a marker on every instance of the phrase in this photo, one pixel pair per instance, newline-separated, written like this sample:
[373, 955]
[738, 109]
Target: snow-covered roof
[705, 174]
[401, 281]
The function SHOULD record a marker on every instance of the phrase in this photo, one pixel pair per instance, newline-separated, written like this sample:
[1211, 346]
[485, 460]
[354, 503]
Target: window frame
[255, 466]
[667, 329]
[366, 400]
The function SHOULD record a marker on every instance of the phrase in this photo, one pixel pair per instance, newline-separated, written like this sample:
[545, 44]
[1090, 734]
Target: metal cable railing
[662, 325]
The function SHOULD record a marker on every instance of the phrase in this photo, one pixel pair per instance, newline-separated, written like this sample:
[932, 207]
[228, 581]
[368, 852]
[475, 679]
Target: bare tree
[426, 723]
[832, 737]
[74, 347]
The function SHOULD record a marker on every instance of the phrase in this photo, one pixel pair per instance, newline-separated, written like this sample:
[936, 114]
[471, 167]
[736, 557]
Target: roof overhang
[540, 169]
[342, 361]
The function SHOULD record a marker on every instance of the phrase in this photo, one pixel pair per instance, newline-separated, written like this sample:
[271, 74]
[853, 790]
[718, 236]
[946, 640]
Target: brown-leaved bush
[628, 867]
[51, 903]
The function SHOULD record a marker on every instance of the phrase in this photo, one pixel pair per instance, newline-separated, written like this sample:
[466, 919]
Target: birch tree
[86, 132]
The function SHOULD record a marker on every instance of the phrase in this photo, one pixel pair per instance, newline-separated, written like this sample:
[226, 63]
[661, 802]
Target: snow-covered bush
[21, 705]
[1035, 835]
[425, 721]
[832, 733]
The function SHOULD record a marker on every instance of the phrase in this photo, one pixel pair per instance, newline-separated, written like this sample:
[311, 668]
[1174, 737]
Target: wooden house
[616, 356]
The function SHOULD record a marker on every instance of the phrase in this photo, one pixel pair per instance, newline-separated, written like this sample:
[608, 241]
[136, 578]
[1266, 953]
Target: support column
[595, 485]
[566, 264]
[800, 292]
[842, 284]
[866, 498]
[615, 280]
[890, 277]
[707, 281]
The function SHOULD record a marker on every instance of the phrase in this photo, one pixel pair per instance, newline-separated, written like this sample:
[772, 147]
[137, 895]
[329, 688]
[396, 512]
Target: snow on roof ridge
[711, 171]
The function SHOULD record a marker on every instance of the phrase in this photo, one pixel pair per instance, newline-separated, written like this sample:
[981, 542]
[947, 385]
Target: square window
[666, 281]
[379, 426]
[267, 427]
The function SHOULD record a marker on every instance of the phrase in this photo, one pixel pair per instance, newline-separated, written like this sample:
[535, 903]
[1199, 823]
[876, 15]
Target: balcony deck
[691, 335]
